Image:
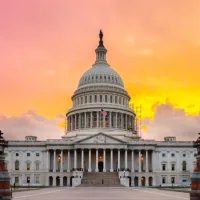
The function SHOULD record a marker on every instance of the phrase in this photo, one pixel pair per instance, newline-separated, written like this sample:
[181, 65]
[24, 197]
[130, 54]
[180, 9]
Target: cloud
[171, 121]
[31, 123]
[168, 120]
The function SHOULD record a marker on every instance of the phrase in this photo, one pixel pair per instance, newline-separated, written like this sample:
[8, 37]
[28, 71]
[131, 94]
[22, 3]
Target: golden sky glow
[47, 45]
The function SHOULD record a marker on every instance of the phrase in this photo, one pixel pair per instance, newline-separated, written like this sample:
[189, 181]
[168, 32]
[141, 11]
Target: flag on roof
[104, 113]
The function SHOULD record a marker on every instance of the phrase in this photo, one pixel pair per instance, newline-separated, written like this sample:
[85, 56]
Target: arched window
[184, 167]
[100, 98]
[111, 99]
[37, 166]
[17, 165]
[28, 166]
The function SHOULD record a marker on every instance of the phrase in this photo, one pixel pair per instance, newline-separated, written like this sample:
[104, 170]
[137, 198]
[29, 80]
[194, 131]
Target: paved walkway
[93, 193]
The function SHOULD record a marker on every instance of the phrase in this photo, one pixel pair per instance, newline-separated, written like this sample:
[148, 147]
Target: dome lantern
[101, 50]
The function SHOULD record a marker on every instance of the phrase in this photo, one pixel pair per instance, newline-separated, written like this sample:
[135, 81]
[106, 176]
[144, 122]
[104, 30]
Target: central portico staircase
[100, 179]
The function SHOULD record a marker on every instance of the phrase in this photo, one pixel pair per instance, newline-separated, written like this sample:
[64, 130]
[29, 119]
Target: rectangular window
[163, 155]
[106, 98]
[37, 166]
[111, 100]
[28, 154]
[115, 99]
[163, 167]
[172, 155]
[173, 180]
[28, 179]
[163, 180]
[85, 99]
[173, 167]
[100, 98]
[37, 179]
[90, 99]
[95, 98]
[37, 154]
[16, 180]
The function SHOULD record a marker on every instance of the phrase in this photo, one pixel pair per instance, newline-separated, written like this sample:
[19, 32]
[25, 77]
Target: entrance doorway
[100, 166]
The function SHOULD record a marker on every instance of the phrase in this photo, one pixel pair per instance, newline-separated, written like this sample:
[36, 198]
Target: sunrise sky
[46, 45]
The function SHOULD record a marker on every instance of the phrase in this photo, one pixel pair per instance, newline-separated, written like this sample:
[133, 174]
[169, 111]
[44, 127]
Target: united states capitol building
[101, 145]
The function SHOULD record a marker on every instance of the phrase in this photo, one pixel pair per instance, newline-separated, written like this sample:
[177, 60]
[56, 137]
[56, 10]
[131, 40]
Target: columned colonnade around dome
[94, 119]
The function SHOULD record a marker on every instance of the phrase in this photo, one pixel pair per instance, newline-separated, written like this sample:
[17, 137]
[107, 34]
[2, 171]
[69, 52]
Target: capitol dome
[100, 73]
[100, 103]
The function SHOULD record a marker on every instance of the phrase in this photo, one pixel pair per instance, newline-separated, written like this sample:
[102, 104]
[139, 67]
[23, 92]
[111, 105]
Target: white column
[126, 123]
[85, 120]
[71, 123]
[139, 160]
[104, 121]
[91, 120]
[89, 169]
[75, 158]
[110, 119]
[61, 161]
[96, 170]
[121, 120]
[116, 119]
[54, 161]
[118, 158]
[125, 159]
[75, 122]
[82, 159]
[68, 161]
[111, 160]
[47, 160]
[104, 160]
[132, 161]
[61, 180]
[147, 162]
[79, 121]
[153, 160]
[97, 119]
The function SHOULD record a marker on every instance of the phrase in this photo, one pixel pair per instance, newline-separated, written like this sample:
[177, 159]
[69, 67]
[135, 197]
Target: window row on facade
[173, 166]
[28, 154]
[97, 120]
[100, 98]
[27, 166]
[173, 155]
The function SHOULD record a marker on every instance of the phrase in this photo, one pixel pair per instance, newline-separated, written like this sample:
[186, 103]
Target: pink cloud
[171, 121]
[31, 123]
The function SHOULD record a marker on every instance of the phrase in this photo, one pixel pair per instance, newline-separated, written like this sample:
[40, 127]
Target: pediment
[100, 138]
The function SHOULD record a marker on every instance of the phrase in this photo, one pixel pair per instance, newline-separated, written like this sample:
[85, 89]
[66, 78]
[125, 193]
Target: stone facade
[100, 137]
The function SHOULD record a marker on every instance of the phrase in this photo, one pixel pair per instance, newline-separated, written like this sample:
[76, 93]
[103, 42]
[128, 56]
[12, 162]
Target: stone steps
[100, 179]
